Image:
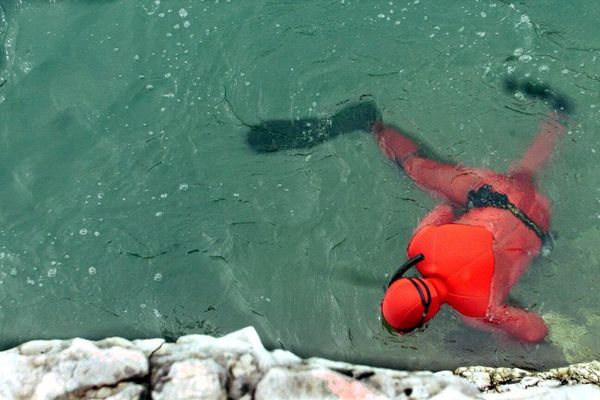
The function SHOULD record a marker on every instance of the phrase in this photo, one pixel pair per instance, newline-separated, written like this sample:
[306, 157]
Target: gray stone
[123, 391]
[312, 383]
[487, 378]
[399, 384]
[237, 360]
[148, 346]
[571, 392]
[189, 379]
[498, 379]
[577, 373]
[237, 366]
[54, 369]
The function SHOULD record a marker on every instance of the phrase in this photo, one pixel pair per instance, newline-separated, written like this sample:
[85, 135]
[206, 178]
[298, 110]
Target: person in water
[473, 248]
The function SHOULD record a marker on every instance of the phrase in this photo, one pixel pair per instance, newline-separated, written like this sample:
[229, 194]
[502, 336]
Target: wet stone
[237, 366]
[189, 379]
[51, 369]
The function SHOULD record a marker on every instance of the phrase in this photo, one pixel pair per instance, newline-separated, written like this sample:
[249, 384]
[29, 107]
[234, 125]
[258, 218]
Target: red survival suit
[471, 260]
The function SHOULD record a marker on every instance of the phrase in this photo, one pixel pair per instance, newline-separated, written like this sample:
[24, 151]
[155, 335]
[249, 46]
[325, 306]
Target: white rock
[574, 392]
[123, 391]
[190, 379]
[318, 383]
[55, 369]
[581, 373]
[237, 366]
[451, 393]
[238, 358]
[148, 346]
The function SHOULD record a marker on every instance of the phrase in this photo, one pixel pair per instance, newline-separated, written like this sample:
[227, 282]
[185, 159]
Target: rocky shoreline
[237, 366]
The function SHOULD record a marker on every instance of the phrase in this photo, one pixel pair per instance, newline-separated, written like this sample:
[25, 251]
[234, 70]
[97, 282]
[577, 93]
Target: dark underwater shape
[274, 135]
[536, 90]
[280, 134]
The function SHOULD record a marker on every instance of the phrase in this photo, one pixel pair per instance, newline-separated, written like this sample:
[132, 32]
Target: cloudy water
[133, 203]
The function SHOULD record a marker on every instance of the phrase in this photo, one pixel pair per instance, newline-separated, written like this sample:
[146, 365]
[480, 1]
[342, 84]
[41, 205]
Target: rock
[487, 378]
[319, 378]
[567, 383]
[498, 379]
[190, 379]
[306, 383]
[123, 391]
[236, 361]
[575, 392]
[237, 366]
[54, 369]
[148, 346]
[245, 374]
[576, 373]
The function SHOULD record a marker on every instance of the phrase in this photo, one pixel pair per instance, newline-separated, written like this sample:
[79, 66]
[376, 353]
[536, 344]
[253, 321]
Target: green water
[132, 205]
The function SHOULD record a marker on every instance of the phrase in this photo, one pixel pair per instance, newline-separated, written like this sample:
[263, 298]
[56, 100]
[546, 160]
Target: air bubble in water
[525, 58]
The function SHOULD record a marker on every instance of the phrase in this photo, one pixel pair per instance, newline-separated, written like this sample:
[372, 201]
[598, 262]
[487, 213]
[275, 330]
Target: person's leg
[540, 150]
[450, 181]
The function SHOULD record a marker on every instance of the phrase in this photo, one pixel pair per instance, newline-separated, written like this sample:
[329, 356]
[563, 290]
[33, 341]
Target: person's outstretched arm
[449, 181]
[540, 150]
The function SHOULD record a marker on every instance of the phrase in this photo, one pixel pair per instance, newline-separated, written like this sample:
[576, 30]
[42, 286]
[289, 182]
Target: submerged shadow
[280, 134]
[274, 135]
[540, 91]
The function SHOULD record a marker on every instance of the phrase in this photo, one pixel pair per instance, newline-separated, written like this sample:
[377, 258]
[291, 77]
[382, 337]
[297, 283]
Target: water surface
[132, 205]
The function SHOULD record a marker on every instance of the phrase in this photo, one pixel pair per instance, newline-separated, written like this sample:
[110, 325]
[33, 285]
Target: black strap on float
[422, 289]
[425, 297]
[405, 267]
